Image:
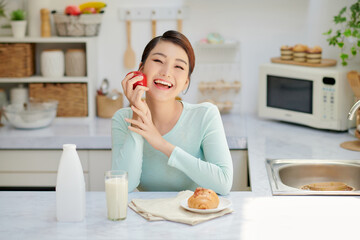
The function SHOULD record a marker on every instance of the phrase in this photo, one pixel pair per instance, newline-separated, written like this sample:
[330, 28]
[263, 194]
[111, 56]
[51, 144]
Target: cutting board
[324, 62]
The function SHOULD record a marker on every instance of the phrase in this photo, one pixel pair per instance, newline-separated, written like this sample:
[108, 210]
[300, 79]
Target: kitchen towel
[170, 209]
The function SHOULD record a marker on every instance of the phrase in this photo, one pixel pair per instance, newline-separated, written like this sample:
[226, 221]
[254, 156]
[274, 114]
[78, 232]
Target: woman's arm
[127, 149]
[216, 170]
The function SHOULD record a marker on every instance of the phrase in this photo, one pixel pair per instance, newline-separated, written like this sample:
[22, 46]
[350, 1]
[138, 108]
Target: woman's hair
[176, 38]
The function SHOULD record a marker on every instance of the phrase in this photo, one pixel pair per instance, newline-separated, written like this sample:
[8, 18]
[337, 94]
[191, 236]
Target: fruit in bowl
[88, 10]
[72, 10]
[98, 6]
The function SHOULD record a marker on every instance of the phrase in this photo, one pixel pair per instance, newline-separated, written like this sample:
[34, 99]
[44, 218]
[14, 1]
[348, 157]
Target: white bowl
[31, 115]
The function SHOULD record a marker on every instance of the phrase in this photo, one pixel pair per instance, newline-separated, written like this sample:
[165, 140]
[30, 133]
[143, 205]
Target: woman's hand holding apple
[134, 92]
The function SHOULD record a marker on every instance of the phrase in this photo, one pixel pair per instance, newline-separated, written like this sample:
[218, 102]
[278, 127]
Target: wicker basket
[72, 97]
[106, 107]
[17, 59]
[77, 26]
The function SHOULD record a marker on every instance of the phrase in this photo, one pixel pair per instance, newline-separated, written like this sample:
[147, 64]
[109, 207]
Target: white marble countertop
[32, 215]
[93, 134]
[258, 214]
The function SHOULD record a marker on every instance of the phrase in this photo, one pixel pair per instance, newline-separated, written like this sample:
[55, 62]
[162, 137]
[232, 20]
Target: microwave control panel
[328, 100]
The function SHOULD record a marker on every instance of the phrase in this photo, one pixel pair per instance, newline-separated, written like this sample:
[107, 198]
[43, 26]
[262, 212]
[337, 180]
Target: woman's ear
[186, 86]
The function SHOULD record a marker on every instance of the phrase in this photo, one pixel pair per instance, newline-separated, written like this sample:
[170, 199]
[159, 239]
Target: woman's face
[166, 69]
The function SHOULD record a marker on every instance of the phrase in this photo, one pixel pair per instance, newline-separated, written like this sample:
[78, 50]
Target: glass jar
[19, 95]
[75, 62]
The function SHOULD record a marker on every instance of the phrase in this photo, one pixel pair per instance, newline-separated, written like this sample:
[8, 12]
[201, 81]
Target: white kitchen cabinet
[34, 168]
[89, 44]
[99, 162]
[38, 168]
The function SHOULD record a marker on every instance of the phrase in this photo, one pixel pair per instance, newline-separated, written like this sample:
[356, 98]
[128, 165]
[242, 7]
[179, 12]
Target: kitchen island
[31, 215]
[257, 214]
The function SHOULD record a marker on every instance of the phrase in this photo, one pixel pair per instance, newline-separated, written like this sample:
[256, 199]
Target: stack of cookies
[300, 52]
[286, 52]
[313, 55]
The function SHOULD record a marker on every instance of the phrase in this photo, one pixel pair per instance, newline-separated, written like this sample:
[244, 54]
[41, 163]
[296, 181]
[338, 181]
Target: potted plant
[347, 38]
[18, 23]
[2, 8]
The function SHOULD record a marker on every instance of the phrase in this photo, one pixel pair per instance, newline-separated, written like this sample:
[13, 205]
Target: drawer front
[36, 160]
[33, 179]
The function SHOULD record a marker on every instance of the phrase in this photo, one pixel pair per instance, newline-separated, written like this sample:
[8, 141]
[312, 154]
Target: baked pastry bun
[203, 199]
[316, 49]
[300, 48]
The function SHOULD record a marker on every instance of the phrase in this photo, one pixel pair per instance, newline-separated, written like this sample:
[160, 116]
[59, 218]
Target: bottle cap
[69, 146]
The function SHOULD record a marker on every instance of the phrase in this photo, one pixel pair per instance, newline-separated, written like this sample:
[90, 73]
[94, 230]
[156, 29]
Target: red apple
[88, 10]
[72, 10]
[142, 82]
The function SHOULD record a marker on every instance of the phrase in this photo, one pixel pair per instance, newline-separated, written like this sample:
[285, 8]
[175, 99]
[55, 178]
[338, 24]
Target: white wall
[261, 27]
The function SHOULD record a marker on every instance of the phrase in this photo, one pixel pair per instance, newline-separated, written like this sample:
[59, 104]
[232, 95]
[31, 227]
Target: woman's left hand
[146, 128]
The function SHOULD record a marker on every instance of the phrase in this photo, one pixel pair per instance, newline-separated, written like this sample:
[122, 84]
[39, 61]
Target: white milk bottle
[70, 187]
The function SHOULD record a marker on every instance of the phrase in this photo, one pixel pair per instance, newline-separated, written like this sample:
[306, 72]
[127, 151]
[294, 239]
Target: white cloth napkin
[170, 209]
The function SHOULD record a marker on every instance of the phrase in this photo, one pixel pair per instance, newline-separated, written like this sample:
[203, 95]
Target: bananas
[97, 5]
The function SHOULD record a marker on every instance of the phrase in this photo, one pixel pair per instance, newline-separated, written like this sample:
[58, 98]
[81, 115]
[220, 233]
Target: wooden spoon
[353, 79]
[153, 28]
[179, 25]
[153, 24]
[129, 56]
[179, 22]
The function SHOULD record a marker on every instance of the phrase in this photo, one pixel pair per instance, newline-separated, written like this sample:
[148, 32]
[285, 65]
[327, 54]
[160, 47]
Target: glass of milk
[116, 188]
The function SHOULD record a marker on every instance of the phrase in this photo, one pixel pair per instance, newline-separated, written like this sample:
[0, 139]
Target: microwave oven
[319, 97]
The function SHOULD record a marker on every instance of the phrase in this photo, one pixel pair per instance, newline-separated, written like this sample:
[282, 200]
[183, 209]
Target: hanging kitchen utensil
[104, 87]
[153, 25]
[179, 22]
[129, 56]
[353, 79]
[153, 28]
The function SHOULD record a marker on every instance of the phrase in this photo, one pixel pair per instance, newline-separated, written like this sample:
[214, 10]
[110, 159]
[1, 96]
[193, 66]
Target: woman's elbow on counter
[225, 186]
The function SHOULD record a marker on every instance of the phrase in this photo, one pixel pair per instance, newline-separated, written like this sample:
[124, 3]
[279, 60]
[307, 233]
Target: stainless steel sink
[286, 176]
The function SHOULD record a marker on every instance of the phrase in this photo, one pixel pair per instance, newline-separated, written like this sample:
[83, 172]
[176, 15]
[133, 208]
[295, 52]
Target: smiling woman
[165, 144]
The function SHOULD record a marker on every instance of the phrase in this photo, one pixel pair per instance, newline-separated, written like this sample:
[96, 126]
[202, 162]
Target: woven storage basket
[17, 59]
[106, 107]
[72, 97]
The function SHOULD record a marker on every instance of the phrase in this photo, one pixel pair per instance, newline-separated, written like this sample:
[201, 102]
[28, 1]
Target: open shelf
[89, 44]
[47, 39]
[38, 79]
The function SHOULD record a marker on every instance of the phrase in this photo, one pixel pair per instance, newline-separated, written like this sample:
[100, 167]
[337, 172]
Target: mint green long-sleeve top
[201, 157]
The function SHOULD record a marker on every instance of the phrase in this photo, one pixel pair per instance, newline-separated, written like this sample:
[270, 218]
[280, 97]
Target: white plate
[223, 203]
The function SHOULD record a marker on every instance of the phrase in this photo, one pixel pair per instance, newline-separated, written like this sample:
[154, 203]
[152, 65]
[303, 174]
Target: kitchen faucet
[353, 110]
